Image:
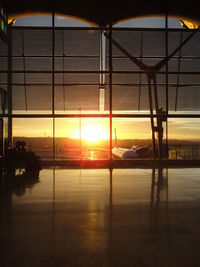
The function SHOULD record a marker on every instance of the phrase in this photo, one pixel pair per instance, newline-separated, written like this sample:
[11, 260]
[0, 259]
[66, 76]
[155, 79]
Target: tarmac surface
[97, 217]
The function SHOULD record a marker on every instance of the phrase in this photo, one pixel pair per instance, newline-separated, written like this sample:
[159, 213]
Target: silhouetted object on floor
[19, 158]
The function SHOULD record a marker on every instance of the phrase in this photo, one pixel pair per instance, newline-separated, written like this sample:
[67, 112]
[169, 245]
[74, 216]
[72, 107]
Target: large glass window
[71, 86]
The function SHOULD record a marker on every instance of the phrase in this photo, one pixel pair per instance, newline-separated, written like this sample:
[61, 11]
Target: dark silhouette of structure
[97, 12]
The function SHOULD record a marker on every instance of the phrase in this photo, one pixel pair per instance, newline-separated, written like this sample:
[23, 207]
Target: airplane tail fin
[116, 138]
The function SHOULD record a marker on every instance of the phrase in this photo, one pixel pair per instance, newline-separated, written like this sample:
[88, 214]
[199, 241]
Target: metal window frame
[110, 72]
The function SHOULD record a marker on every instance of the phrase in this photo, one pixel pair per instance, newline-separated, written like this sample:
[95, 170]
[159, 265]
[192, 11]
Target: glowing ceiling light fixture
[11, 21]
[188, 24]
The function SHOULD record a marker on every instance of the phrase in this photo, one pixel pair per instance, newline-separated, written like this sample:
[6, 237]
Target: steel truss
[151, 73]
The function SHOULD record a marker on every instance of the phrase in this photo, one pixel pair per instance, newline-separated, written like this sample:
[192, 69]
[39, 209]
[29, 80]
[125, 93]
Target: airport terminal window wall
[64, 76]
[3, 97]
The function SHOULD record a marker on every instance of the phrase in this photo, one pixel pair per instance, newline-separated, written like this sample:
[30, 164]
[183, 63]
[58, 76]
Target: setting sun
[94, 132]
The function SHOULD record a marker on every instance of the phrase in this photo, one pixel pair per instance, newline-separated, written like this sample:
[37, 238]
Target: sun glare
[94, 133]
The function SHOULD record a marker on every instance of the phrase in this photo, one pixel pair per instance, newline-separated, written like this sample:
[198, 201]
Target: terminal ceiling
[96, 12]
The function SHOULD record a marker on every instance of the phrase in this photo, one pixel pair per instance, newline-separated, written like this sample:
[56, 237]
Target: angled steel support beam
[158, 66]
[151, 72]
[163, 62]
[135, 60]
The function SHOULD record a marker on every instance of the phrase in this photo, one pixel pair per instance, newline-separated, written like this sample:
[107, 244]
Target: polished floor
[124, 217]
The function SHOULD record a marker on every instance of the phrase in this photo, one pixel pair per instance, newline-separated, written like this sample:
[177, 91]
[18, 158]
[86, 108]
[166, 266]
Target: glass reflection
[109, 214]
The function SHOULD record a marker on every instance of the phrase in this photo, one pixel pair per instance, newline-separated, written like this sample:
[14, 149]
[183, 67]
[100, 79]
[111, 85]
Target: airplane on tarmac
[135, 152]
